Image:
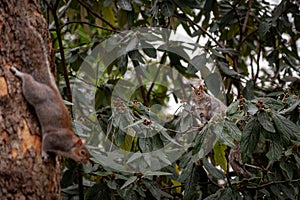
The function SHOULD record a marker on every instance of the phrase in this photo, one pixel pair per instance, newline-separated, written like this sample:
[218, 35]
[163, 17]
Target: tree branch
[155, 77]
[242, 38]
[272, 183]
[96, 14]
[87, 23]
[143, 89]
[247, 16]
[61, 51]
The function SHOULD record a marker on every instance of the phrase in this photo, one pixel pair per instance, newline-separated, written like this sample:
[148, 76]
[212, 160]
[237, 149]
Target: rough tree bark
[23, 174]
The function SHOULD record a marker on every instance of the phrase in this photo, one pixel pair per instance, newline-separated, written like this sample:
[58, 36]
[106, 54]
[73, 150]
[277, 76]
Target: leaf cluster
[248, 52]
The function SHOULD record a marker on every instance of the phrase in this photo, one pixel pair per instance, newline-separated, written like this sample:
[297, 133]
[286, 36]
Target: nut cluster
[260, 104]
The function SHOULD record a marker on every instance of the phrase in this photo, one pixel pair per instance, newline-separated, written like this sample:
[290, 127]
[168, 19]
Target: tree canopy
[124, 66]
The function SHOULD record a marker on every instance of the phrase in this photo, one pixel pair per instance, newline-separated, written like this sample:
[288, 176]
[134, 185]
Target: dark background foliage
[255, 47]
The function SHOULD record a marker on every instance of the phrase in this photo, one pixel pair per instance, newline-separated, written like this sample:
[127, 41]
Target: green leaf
[233, 108]
[291, 108]
[286, 127]
[149, 173]
[155, 190]
[287, 168]
[248, 91]
[228, 50]
[224, 194]
[224, 67]
[112, 184]
[250, 108]
[198, 61]
[276, 191]
[214, 83]
[167, 8]
[287, 190]
[107, 3]
[97, 192]
[233, 130]
[108, 14]
[148, 49]
[272, 103]
[203, 143]
[222, 136]
[275, 151]
[122, 64]
[212, 170]
[263, 28]
[197, 174]
[127, 143]
[134, 124]
[129, 181]
[219, 155]
[250, 138]
[125, 5]
[145, 145]
[265, 120]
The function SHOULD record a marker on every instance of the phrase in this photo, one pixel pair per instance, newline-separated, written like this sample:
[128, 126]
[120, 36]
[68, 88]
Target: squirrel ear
[80, 142]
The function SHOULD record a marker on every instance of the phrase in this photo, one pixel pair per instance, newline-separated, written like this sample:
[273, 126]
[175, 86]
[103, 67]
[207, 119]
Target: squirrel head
[200, 91]
[79, 152]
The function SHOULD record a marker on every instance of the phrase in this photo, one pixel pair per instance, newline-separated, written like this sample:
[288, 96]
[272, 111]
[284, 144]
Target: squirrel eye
[82, 152]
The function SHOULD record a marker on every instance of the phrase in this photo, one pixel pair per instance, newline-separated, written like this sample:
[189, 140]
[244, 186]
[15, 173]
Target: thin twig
[238, 19]
[96, 14]
[87, 23]
[201, 28]
[143, 89]
[242, 37]
[62, 54]
[247, 16]
[257, 63]
[155, 77]
[272, 183]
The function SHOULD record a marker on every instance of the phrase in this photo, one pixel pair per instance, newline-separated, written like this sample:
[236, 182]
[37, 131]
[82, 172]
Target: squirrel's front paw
[45, 156]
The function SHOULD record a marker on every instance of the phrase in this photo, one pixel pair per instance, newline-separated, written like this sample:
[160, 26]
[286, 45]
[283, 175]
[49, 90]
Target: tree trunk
[25, 43]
